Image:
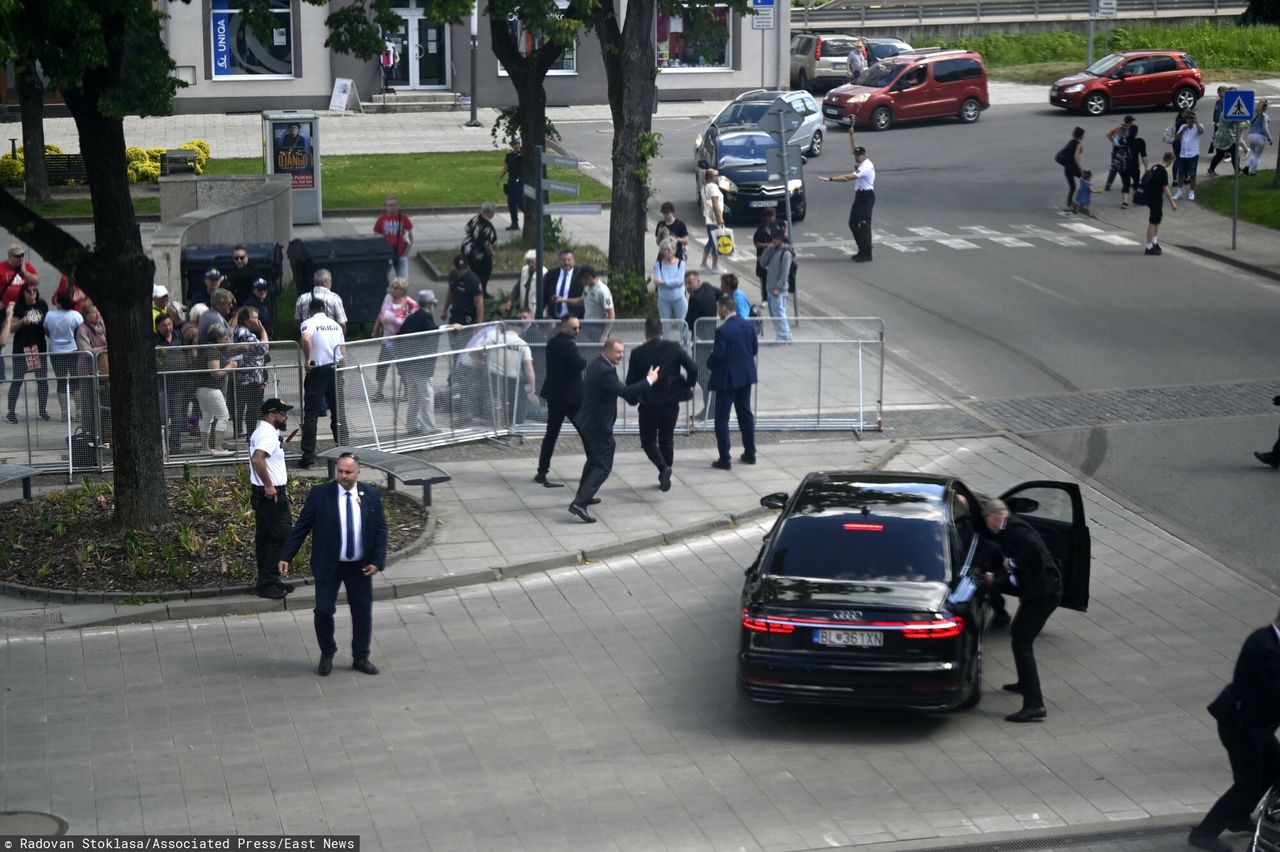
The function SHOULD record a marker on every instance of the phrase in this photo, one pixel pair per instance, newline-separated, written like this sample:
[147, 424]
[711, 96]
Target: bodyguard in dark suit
[562, 289]
[733, 371]
[1029, 572]
[601, 389]
[562, 390]
[1248, 713]
[660, 405]
[702, 304]
[348, 546]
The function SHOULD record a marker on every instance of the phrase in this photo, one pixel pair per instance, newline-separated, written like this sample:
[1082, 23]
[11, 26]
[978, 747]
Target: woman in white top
[1259, 137]
[713, 215]
[668, 281]
[60, 325]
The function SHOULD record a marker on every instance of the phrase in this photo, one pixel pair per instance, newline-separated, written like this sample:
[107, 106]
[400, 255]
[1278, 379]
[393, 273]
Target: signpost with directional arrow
[539, 193]
[1237, 107]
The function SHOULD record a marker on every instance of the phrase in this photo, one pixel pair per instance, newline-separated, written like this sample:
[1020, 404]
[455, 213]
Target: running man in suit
[660, 406]
[733, 371]
[562, 390]
[601, 389]
[348, 546]
[1248, 713]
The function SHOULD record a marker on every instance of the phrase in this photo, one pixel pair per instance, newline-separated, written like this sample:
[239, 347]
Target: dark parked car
[1131, 79]
[1266, 836]
[739, 154]
[865, 591]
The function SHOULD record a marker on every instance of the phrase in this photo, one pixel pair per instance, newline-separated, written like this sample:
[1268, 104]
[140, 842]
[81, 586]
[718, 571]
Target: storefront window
[238, 53]
[526, 42]
[700, 39]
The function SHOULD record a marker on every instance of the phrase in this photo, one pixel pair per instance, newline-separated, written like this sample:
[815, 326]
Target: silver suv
[747, 109]
[818, 59]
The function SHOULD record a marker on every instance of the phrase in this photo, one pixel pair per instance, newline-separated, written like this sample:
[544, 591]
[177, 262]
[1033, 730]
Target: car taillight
[948, 629]
[765, 625]
[863, 527]
[817, 54]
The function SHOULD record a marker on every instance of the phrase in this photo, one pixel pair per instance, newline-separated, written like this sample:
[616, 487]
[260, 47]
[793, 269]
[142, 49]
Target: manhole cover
[31, 822]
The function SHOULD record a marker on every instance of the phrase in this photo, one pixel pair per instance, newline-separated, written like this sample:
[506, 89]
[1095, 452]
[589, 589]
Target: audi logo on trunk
[849, 614]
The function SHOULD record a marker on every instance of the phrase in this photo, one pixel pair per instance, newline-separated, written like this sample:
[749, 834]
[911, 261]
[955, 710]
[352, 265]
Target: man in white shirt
[712, 215]
[270, 497]
[1189, 135]
[322, 342]
[864, 198]
[322, 289]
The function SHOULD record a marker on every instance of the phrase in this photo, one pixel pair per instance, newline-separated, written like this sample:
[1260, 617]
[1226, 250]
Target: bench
[10, 472]
[65, 167]
[177, 160]
[407, 469]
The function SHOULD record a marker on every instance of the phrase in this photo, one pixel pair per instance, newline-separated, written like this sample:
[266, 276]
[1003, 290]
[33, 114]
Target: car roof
[1136, 53]
[767, 95]
[926, 54]
[882, 40]
[892, 494]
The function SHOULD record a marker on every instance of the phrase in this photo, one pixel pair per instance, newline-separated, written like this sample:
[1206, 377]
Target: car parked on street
[865, 591]
[818, 59]
[738, 153]
[749, 107]
[882, 47]
[1130, 79]
[914, 85]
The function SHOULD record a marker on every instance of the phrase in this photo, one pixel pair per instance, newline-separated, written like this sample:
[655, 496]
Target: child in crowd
[1084, 194]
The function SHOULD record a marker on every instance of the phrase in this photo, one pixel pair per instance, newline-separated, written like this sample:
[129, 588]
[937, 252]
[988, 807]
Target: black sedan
[740, 153]
[864, 591]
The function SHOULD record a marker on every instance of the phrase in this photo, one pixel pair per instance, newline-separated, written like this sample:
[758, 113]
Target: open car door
[1056, 511]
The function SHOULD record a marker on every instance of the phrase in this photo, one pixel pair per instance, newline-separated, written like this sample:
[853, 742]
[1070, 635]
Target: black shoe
[307, 464]
[1204, 841]
[326, 665]
[362, 664]
[1268, 459]
[722, 464]
[514, 226]
[999, 619]
[1012, 687]
[1027, 714]
[857, 258]
[541, 479]
[594, 501]
[11, 417]
[287, 587]
[275, 593]
[44, 415]
[581, 512]
[1155, 249]
[378, 397]
[862, 258]
[664, 479]
[1241, 825]
[747, 459]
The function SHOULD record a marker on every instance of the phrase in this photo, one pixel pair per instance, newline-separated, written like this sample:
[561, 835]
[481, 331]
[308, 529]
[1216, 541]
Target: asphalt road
[993, 293]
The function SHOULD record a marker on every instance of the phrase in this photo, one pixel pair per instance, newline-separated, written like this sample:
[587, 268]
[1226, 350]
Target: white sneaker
[1191, 196]
[1177, 193]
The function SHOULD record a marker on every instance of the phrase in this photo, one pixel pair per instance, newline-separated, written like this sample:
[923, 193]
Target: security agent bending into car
[864, 198]
[1029, 572]
[1248, 713]
[659, 408]
[270, 497]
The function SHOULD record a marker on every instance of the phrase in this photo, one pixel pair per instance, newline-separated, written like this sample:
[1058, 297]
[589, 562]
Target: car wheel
[1096, 104]
[804, 81]
[799, 207]
[1184, 98]
[815, 144]
[970, 110]
[881, 119]
[973, 689]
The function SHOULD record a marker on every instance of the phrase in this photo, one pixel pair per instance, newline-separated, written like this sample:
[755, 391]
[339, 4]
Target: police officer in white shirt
[322, 342]
[864, 198]
[270, 498]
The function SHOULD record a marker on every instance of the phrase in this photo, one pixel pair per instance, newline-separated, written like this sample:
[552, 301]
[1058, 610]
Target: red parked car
[1131, 79]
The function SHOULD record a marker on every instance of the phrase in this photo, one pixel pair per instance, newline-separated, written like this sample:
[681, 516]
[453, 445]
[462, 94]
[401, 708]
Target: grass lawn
[466, 179]
[59, 207]
[1259, 197]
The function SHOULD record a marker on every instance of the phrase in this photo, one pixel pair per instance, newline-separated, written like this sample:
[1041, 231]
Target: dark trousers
[657, 432]
[272, 522]
[359, 598]
[738, 399]
[556, 415]
[864, 200]
[1221, 153]
[1255, 763]
[246, 409]
[600, 447]
[19, 373]
[515, 196]
[320, 386]
[1026, 626]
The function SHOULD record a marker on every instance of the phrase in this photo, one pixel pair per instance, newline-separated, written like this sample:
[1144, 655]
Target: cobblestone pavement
[593, 708]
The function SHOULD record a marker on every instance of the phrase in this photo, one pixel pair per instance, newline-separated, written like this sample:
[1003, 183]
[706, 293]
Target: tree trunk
[31, 97]
[629, 69]
[118, 276]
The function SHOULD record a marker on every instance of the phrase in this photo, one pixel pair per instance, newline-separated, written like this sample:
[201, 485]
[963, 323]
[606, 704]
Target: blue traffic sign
[758, 3]
[1237, 105]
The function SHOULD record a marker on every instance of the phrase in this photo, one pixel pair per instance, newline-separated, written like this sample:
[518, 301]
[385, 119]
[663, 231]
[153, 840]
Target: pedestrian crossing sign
[1237, 105]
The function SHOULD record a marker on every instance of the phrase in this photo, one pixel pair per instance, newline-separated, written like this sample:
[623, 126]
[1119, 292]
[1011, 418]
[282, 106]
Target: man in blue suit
[733, 372]
[348, 547]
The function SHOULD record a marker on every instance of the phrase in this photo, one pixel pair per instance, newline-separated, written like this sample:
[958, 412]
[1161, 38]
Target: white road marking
[958, 244]
[904, 247]
[1081, 228]
[1042, 289]
[1011, 242]
[927, 232]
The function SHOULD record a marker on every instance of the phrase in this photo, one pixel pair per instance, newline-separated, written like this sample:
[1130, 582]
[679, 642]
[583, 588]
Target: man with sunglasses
[14, 274]
[241, 276]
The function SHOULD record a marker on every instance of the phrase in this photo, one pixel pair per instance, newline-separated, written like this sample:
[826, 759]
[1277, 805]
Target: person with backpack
[1071, 160]
[1135, 164]
[1155, 188]
[1118, 136]
[480, 243]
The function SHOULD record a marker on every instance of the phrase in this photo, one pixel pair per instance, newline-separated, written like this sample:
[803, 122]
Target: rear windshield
[836, 48]
[822, 547]
[879, 75]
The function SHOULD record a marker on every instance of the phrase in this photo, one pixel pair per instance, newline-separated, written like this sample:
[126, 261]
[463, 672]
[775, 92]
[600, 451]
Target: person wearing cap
[213, 280]
[419, 371]
[258, 301]
[159, 301]
[864, 198]
[272, 519]
[29, 349]
[513, 171]
[523, 296]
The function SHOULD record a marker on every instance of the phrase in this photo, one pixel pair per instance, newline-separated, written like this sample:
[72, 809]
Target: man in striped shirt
[322, 289]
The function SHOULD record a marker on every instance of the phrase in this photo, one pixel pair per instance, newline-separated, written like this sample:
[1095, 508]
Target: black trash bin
[358, 266]
[266, 260]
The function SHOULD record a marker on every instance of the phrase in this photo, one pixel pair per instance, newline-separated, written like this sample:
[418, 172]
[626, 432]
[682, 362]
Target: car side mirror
[777, 500]
[704, 165]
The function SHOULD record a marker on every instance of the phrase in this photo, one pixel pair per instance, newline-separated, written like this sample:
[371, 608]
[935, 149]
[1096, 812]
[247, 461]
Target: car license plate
[763, 204]
[849, 638]
[832, 111]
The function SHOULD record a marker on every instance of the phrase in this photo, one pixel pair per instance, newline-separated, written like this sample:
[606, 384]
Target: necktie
[563, 292]
[350, 546]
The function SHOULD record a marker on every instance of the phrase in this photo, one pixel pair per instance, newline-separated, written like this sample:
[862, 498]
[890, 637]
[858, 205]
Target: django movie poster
[292, 152]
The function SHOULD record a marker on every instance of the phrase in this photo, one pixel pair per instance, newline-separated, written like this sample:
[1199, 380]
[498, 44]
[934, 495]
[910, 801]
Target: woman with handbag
[712, 215]
[396, 307]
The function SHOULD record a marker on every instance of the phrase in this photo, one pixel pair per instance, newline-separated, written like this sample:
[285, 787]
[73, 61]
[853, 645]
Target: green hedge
[143, 163]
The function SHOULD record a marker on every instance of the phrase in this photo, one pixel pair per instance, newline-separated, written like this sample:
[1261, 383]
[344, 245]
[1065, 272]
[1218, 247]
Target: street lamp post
[475, 49]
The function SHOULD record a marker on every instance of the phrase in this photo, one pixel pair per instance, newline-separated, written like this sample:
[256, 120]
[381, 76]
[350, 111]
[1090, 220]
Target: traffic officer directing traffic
[270, 497]
[864, 198]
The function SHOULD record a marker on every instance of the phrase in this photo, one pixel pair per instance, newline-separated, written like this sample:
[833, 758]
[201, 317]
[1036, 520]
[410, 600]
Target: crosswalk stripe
[980, 230]
[1081, 228]
[927, 232]
[958, 244]
[904, 247]
[1063, 241]
[1011, 242]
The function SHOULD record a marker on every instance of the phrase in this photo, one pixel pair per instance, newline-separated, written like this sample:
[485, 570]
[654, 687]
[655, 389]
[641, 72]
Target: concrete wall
[219, 211]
